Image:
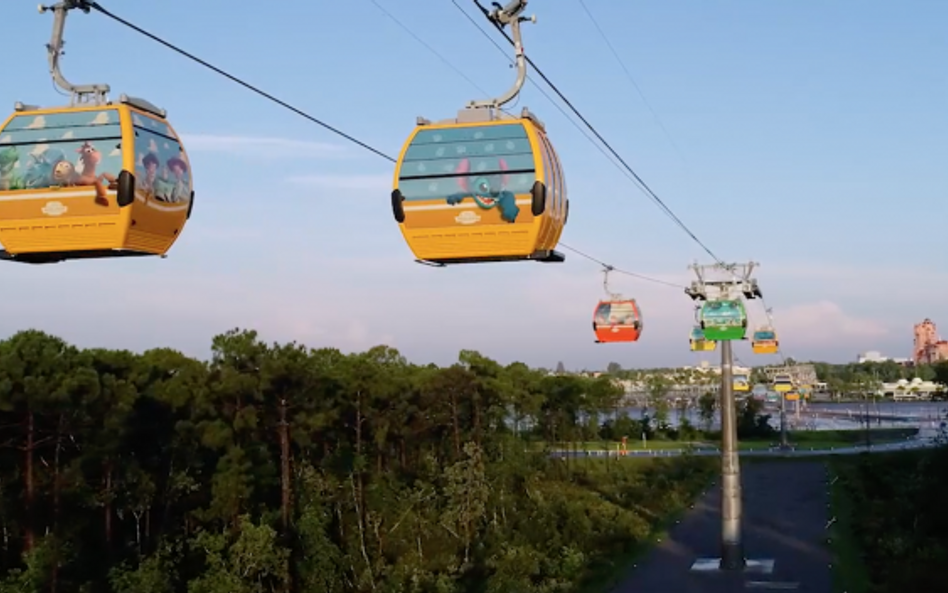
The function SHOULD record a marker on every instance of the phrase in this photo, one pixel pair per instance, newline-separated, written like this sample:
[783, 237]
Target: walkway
[785, 515]
[926, 439]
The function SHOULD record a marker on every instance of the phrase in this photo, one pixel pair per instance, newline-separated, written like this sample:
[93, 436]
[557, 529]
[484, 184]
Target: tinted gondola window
[722, 313]
[554, 177]
[616, 313]
[60, 149]
[162, 170]
[442, 162]
[602, 314]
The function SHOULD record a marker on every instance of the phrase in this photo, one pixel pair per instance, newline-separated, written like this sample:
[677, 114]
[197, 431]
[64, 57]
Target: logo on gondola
[467, 217]
[54, 209]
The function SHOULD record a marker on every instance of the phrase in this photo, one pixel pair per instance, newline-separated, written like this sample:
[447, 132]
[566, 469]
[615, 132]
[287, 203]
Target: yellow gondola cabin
[90, 182]
[486, 186]
[476, 192]
[92, 179]
[765, 341]
[699, 343]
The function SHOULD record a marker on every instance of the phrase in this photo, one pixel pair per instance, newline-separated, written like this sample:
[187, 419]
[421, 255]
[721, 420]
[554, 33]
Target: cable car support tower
[719, 282]
[804, 378]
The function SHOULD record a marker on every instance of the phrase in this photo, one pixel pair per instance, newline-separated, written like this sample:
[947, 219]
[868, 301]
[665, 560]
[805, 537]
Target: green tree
[274, 467]
[707, 408]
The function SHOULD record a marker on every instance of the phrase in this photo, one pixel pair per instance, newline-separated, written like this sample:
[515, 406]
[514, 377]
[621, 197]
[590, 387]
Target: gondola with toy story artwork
[94, 179]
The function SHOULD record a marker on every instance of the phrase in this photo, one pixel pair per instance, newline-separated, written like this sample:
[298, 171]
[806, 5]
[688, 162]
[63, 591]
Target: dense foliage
[896, 530]
[280, 468]
[887, 371]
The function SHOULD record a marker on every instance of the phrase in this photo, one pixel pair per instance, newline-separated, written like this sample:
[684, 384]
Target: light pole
[784, 437]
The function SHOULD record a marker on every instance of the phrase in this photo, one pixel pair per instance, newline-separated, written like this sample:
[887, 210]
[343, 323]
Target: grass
[803, 439]
[849, 570]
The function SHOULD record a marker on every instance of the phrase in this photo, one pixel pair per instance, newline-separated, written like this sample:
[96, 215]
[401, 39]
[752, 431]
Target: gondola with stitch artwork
[486, 186]
[94, 179]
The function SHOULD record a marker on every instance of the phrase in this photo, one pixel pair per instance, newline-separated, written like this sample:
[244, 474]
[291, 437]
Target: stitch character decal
[487, 191]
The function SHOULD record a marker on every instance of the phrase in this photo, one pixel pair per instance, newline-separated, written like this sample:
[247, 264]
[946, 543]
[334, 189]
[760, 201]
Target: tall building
[927, 348]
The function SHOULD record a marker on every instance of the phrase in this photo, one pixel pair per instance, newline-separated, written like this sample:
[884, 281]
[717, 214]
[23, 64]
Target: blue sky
[810, 138]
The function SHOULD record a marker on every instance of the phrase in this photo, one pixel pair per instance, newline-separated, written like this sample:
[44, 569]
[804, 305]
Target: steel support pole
[784, 441]
[732, 547]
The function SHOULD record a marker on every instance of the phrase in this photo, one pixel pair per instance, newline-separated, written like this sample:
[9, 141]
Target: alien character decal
[487, 191]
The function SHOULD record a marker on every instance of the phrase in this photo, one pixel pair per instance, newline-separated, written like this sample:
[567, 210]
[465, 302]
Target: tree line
[276, 467]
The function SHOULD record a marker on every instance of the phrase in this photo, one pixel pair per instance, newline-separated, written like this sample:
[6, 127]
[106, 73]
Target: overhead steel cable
[96, 6]
[631, 79]
[612, 268]
[626, 168]
[640, 183]
[542, 91]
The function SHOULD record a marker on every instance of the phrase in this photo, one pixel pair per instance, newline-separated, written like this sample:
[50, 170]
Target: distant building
[904, 389]
[927, 348]
[871, 356]
[705, 367]
[876, 356]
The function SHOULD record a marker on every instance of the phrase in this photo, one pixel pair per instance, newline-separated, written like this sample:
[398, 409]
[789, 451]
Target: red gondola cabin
[617, 321]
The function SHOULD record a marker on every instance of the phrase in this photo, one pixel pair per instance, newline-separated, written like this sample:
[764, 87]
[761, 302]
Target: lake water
[814, 416]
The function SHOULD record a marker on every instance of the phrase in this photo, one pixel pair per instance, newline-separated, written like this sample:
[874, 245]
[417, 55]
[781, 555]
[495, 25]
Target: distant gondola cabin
[480, 192]
[783, 383]
[617, 321]
[764, 341]
[699, 343]
[91, 182]
[724, 319]
[741, 383]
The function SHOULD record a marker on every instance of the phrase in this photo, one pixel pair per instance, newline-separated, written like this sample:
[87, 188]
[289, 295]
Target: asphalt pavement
[785, 516]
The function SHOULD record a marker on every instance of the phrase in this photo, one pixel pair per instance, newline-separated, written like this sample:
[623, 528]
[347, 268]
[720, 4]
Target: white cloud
[368, 183]
[6, 139]
[115, 152]
[900, 281]
[262, 147]
[68, 135]
[152, 146]
[39, 149]
[101, 118]
[824, 322]
[38, 123]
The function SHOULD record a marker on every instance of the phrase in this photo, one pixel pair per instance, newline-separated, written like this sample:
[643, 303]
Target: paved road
[785, 515]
